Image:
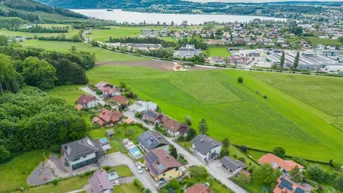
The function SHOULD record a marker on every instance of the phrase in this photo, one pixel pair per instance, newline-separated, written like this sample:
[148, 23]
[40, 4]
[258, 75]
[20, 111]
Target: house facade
[87, 101]
[162, 166]
[150, 140]
[277, 163]
[174, 128]
[107, 117]
[142, 106]
[108, 90]
[80, 153]
[206, 148]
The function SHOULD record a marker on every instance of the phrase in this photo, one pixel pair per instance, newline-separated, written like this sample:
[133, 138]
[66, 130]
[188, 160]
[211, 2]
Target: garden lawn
[323, 41]
[71, 32]
[69, 92]
[245, 116]
[131, 188]
[13, 174]
[70, 184]
[123, 171]
[102, 55]
[218, 51]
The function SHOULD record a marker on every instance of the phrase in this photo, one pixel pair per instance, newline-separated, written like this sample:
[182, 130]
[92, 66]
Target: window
[164, 174]
[170, 177]
[176, 169]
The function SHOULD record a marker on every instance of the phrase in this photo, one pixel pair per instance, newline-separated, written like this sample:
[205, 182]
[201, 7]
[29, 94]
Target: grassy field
[316, 41]
[126, 188]
[235, 110]
[70, 33]
[102, 55]
[123, 171]
[69, 92]
[218, 51]
[15, 172]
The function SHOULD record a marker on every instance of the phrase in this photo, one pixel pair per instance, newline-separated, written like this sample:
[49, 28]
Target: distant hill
[35, 12]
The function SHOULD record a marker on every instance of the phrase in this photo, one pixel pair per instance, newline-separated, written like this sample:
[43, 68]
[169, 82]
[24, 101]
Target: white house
[87, 101]
[142, 106]
[206, 148]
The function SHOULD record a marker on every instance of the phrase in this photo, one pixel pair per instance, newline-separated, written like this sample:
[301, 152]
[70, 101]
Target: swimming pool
[135, 152]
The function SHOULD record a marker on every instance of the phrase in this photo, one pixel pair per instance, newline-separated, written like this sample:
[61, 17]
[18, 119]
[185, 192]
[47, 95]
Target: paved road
[117, 159]
[216, 172]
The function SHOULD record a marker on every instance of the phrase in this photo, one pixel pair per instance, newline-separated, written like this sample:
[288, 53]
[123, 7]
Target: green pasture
[5, 32]
[237, 111]
[102, 55]
[15, 172]
[126, 188]
[316, 41]
[218, 51]
[69, 92]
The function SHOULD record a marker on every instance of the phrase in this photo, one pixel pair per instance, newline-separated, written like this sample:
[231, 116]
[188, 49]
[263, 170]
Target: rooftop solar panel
[299, 190]
[286, 184]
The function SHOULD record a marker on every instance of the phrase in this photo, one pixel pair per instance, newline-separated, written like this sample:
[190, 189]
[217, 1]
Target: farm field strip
[280, 120]
[70, 33]
[218, 51]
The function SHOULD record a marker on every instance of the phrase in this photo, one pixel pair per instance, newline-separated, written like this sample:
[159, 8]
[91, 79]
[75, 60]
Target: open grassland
[234, 110]
[316, 41]
[102, 55]
[218, 51]
[69, 92]
[13, 174]
[70, 33]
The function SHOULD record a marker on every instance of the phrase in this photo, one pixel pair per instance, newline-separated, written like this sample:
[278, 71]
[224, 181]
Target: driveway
[117, 159]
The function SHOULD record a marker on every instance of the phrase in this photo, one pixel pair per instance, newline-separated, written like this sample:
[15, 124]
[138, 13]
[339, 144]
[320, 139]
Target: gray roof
[231, 164]
[152, 139]
[100, 182]
[76, 149]
[204, 144]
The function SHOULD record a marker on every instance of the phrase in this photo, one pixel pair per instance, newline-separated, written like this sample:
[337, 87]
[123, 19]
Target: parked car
[140, 170]
[160, 183]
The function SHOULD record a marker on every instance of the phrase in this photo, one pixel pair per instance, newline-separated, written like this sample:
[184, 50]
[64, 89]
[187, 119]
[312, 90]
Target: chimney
[100, 185]
[159, 137]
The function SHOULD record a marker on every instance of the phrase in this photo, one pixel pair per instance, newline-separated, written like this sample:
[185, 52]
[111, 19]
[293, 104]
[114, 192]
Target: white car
[140, 170]
[159, 183]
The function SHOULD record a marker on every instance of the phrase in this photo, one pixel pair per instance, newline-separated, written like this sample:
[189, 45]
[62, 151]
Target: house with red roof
[120, 100]
[198, 188]
[173, 127]
[278, 163]
[107, 117]
[285, 185]
[87, 101]
[108, 90]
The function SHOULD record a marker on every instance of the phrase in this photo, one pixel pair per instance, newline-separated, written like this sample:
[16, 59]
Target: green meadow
[218, 51]
[70, 33]
[316, 41]
[102, 55]
[256, 113]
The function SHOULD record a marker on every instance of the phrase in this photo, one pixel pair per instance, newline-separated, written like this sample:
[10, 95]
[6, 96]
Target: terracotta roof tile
[198, 188]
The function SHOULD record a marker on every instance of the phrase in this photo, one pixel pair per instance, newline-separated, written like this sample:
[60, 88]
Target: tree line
[61, 37]
[32, 120]
[41, 68]
[41, 29]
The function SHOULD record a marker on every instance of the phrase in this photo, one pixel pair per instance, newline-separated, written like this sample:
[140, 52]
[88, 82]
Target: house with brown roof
[198, 188]
[162, 166]
[173, 127]
[278, 163]
[107, 117]
[87, 101]
[120, 100]
[108, 90]
[100, 182]
[152, 117]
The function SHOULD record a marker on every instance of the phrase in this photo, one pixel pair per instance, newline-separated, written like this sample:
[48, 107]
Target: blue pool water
[135, 152]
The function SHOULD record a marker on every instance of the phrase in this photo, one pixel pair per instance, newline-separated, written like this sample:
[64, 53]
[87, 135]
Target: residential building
[162, 166]
[188, 51]
[234, 166]
[285, 185]
[142, 106]
[206, 148]
[151, 140]
[278, 163]
[108, 90]
[120, 100]
[145, 47]
[107, 117]
[87, 101]
[103, 143]
[100, 182]
[80, 153]
[174, 128]
[198, 188]
[152, 117]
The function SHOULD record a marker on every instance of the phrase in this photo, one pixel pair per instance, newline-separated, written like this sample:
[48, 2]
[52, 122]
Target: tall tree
[10, 80]
[226, 143]
[173, 151]
[296, 61]
[3, 40]
[282, 59]
[265, 174]
[203, 127]
[339, 182]
[279, 151]
[296, 175]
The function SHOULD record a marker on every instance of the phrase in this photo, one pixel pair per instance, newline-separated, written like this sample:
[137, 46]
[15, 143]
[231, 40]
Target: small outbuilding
[110, 133]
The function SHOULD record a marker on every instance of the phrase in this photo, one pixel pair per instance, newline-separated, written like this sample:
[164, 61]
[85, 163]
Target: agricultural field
[15, 172]
[218, 51]
[70, 33]
[254, 114]
[69, 92]
[316, 41]
[102, 55]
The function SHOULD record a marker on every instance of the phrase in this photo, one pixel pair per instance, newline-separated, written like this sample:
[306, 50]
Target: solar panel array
[286, 184]
[299, 190]
[148, 140]
[152, 114]
[151, 158]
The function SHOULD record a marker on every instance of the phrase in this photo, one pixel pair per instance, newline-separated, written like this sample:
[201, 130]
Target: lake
[152, 18]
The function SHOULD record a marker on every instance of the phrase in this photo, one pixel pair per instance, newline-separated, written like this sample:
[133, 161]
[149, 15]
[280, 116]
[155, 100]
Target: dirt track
[156, 64]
